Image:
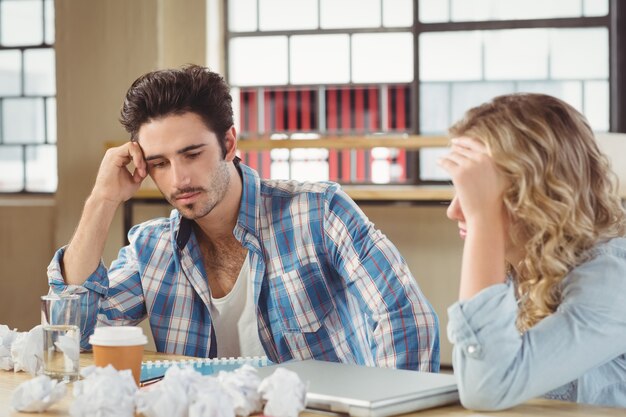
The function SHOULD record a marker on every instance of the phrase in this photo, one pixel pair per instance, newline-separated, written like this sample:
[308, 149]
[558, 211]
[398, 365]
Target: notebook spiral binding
[152, 370]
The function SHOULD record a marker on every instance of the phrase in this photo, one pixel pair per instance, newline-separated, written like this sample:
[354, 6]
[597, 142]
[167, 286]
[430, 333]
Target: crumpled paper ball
[38, 394]
[243, 387]
[104, 392]
[284, 392]
[7, 336]
[27, 351]
[212, 406]
[185, 392]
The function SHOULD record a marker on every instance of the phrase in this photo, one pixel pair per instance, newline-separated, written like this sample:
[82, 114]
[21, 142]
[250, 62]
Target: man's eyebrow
[190, 148]
[180, 151]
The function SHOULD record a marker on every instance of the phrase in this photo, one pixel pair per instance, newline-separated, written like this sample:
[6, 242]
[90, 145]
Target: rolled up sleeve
[92, 292]
[485, 340]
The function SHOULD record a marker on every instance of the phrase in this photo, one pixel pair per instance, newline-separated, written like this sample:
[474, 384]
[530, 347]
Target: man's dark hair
[191, 88]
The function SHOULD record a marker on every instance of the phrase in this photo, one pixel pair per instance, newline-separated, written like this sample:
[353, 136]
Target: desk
[9, 381]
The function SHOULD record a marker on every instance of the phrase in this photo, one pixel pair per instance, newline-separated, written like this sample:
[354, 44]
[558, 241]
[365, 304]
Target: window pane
[469, 10]
[596, 7]
[434, 108]
[309, 170]
[280, 170]
[597, 105]
[258, 61]
[51, 120]
[397, 13]
[288, 14]
[516, 54]
[382, 57]
[342, 13]
[381, 166]
[579, 53]
[320, 59]
[10, 78]
[475, 10]
[20, 22]
[39, 72]
[41, 168]
[306, 164]
[12, 172]
[309, 154]
[442, 53]
[431, 11]
[568, 91]
[242, 15]
[279, 154]
[49, 29]
[468, 95]
[23, 120]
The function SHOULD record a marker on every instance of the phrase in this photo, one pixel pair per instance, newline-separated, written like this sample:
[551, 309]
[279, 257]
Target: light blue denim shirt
[576, 354]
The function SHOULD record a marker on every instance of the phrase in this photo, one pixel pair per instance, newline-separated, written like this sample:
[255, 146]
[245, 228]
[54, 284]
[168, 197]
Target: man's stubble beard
[215, 195]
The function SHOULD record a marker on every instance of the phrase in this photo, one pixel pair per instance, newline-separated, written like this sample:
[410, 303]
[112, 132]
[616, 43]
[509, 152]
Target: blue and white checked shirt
[327, 284]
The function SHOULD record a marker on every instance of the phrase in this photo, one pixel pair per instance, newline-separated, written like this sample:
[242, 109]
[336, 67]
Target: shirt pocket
[305, 299]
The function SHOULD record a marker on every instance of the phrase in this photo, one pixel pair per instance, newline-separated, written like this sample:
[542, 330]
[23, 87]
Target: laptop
[362, 391]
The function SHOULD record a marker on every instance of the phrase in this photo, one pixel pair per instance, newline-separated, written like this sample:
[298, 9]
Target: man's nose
[181, 177]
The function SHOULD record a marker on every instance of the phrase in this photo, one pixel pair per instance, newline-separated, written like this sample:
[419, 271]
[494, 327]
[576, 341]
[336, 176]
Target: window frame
[45, 98]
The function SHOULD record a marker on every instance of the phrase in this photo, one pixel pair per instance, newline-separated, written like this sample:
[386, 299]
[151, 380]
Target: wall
[26, 241]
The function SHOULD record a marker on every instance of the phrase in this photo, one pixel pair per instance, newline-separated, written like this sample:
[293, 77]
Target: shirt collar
[249, 210]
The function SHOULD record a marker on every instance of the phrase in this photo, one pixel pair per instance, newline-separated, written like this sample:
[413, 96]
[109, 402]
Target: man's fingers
[137, 176]
[137, 156]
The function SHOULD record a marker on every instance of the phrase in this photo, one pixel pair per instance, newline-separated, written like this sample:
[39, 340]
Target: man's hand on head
[115, 181]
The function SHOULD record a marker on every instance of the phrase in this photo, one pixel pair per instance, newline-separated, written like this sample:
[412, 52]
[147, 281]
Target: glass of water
[60, 319]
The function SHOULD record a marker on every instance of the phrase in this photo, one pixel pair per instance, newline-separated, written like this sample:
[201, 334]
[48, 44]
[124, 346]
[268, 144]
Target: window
[27, 97]
[402, 67]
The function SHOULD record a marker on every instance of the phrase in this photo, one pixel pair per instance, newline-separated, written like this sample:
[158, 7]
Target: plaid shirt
[327, 284]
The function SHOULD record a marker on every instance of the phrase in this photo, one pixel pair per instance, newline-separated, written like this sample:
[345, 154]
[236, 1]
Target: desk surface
[9, 381]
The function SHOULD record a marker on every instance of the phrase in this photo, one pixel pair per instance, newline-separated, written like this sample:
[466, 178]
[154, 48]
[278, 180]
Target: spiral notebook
[154, 370]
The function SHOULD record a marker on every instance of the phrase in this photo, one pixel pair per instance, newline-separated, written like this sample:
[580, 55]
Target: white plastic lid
[118, 336]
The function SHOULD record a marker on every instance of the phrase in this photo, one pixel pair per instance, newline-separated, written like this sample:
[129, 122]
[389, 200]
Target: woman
[542, 304]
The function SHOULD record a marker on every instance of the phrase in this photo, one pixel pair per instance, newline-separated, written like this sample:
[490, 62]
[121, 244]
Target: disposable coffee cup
[119, 346]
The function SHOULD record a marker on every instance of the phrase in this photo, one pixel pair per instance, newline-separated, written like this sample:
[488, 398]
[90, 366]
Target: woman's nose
[454, 211]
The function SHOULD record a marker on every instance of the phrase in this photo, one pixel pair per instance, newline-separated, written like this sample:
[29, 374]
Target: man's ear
[231, 144]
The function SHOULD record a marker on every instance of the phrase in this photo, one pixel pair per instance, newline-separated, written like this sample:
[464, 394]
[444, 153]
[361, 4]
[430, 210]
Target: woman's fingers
[469, 143]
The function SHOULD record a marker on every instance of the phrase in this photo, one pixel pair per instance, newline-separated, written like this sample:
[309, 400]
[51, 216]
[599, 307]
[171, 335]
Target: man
[242, 266]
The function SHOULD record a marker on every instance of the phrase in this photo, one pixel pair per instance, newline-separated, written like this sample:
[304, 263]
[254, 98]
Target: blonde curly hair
[562, 197]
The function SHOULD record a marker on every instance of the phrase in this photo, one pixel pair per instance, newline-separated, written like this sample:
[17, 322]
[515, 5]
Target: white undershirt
[234, 319]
